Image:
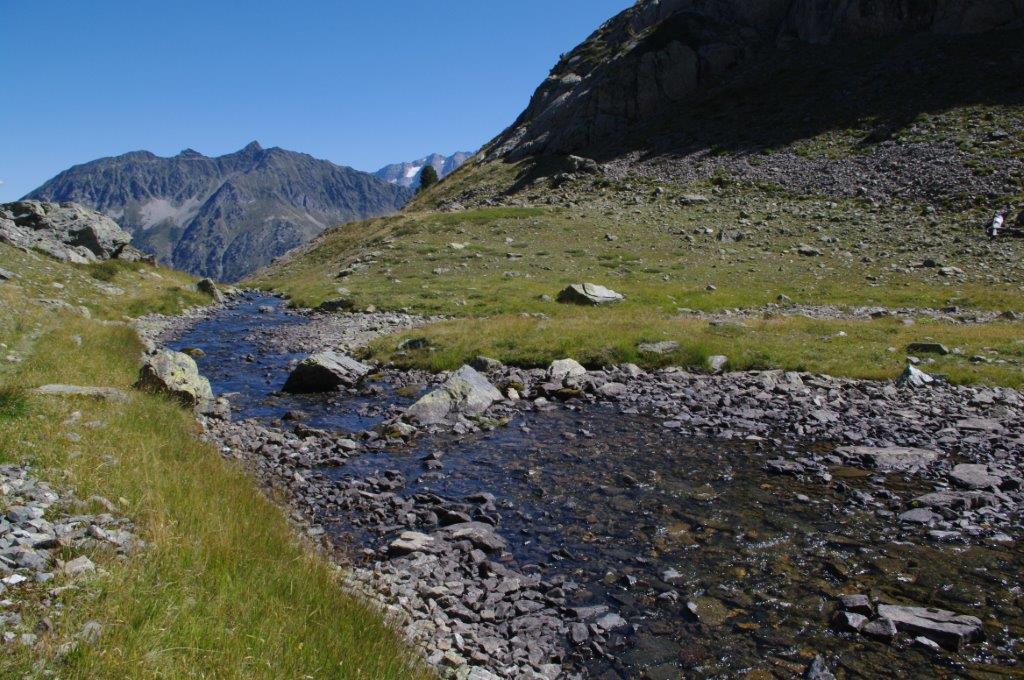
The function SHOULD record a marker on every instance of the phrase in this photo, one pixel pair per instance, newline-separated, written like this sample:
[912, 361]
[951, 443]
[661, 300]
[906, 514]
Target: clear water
[632, 513]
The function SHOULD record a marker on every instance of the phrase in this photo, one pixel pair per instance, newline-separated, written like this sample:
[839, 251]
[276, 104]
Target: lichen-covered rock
[65, 231]
[561, 370]
[209, 286]
[175, 374]
[325, 372]
[466, 392]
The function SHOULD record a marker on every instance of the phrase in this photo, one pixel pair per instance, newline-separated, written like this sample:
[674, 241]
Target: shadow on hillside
[877, 90]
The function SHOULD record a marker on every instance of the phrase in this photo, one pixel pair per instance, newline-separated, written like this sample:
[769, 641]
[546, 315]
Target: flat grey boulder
[588, 294]
[104, 393]
[971, 476]
[946, 628]
[479, 534]
[928, 348]
[660, 348]
[466, 392]
[411, 542]
[325, 372]
[951, 500]
[889, 459]
[65, 231]
[919, 516]
[175, 374]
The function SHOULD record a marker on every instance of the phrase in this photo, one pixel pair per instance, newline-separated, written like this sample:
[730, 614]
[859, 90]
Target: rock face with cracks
[65, 231]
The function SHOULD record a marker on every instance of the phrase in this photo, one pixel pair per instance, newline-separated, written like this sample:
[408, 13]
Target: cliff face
[659, 54]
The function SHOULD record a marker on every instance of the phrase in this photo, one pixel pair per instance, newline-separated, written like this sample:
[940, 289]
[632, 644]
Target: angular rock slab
[466, 392]
[890, 459]
[479, 534]
[948, 629]
[324, 372]
[914, 378]
[209, 286]
[175, 374]
[972, 476]
[588, 294]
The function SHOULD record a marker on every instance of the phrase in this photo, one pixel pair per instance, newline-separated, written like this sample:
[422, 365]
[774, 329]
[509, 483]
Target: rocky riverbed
[622, 523]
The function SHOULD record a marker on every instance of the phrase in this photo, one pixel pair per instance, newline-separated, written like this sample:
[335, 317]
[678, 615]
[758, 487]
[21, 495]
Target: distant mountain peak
[225, 216]
[408, 174]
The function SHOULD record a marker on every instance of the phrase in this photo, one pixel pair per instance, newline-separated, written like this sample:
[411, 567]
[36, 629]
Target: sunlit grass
[222, 589]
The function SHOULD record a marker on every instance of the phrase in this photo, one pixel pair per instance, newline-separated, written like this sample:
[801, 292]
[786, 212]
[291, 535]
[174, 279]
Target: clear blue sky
[360, 83]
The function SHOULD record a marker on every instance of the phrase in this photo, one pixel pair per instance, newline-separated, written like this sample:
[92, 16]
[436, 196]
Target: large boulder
[325, 372]
[588, 294]
[466, 392]
[175, 374]
[209, 286]
[565, 369]
[65, 231]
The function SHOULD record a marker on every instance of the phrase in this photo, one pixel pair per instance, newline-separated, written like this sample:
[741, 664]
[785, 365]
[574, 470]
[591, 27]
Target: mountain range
[225, 216]
[409, 174]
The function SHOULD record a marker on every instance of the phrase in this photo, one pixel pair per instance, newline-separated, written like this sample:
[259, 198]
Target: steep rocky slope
[841, 170]
[226, 216]
[657, 58]
[409, 174]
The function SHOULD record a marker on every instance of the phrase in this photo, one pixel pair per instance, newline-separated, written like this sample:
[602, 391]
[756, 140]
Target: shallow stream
[723, 569]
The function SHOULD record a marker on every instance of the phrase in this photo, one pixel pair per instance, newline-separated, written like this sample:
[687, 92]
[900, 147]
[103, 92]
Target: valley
[710, 365]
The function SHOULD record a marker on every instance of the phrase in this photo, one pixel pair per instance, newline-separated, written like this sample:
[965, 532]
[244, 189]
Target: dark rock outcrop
[657, 56]
[324, 372]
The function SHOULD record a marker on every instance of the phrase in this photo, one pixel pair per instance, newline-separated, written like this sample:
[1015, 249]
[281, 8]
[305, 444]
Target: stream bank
[681, 524]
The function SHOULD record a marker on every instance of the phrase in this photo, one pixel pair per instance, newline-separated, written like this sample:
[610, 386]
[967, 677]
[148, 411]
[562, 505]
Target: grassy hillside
[497, 268]
[222, 589]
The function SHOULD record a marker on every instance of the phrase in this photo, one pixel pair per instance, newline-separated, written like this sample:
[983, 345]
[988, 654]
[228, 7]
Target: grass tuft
[13, 402]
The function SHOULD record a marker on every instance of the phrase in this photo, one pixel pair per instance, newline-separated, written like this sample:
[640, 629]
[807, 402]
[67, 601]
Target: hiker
[996, 225]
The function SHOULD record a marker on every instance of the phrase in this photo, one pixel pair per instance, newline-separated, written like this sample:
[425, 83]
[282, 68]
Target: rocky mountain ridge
[409, 174]
[225, 216]
[656, 58]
